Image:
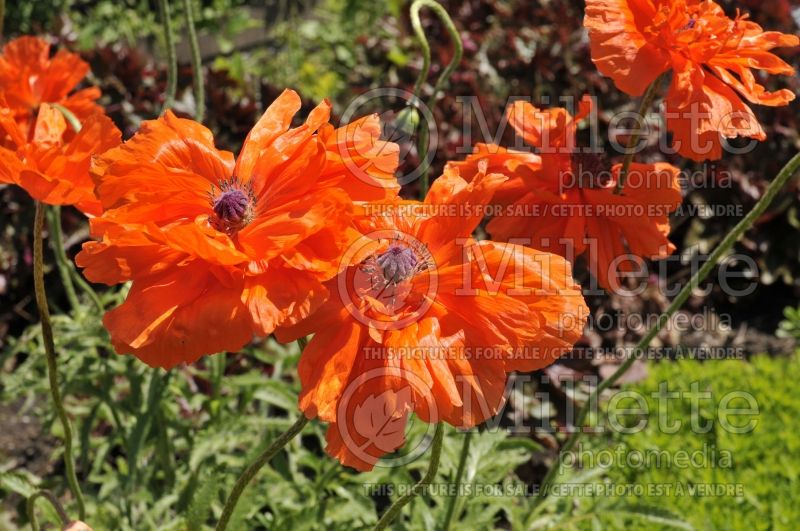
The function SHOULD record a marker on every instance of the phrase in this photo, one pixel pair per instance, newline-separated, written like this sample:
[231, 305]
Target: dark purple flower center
[231, 205]
[691, 24]
[589, 170]
[398, 263]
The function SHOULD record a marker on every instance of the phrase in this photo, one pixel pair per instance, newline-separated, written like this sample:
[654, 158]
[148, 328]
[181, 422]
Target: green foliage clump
[317, 50]
[161, 450]
[752, 455]
[134, 22]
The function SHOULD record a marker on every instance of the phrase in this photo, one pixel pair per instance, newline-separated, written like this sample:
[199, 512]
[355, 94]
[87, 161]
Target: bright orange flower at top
[422, 318]
[562, 199]
[220, 250]
[711, 56]
[29, 77]
[39, 149]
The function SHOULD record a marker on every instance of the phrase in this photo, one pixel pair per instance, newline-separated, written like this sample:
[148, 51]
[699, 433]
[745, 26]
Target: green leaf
[277, 393]
[19, 483]
[24, 484]
[656, 515]
[200, 508]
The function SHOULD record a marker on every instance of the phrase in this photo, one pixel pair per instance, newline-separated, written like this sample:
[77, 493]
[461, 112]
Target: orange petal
[62, 174]
[64, 71]
[325, 369]
[459, 205]
[125, 254]
[359, 162]
[50, 126]
[10, 166]
[179, 316]
[619, 48]
[712, 111]
[282, 228]
[281, 297]
[274, 122]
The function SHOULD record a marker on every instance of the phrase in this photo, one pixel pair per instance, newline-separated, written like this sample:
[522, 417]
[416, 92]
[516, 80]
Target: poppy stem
[630, 150]
[789, 170]
[86, 287]
[2, 16]
[50, 497]
[253, 468]
[50, 351]
[197, 64]
[462, 465]
[436, 452]
[458, 51]
[458, 47]
[172, 61]
[57, 243]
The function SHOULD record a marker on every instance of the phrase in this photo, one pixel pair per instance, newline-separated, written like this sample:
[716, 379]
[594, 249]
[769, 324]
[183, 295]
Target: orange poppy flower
[562, 200]
[422, 318]
[711, 56]
[38, 149]
[52, 164]
[30, 77]
[220, 250]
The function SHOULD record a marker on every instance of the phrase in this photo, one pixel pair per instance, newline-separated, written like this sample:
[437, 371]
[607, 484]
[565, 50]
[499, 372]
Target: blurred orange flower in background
[711, 57]
[30, 77]
[563, 199]
[39, 149]
[425, 319]
[219, 251]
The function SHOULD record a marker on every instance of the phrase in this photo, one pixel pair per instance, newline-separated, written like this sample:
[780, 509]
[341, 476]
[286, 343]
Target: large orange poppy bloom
[563, 199]
[424, 319]
[30, 77]
[712, 59]
[39, 150]
[218, 250]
